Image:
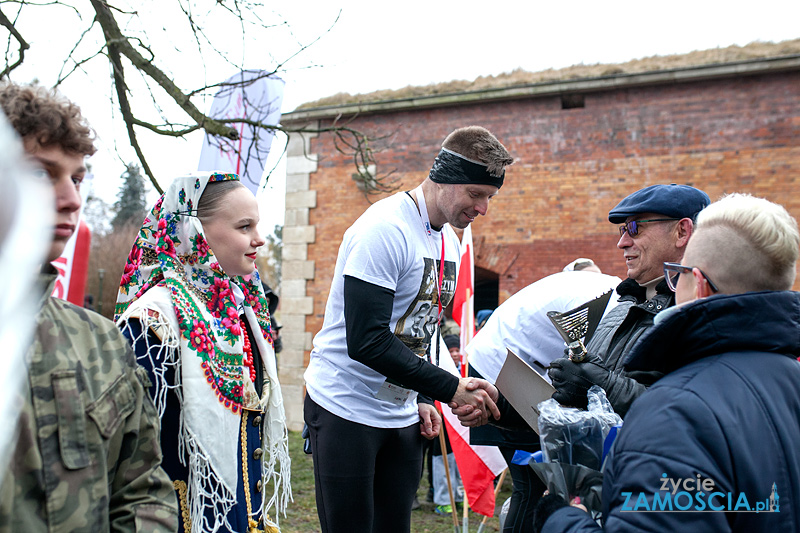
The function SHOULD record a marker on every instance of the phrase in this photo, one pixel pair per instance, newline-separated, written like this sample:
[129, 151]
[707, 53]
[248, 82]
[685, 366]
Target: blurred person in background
[273, 301]
[582, 264]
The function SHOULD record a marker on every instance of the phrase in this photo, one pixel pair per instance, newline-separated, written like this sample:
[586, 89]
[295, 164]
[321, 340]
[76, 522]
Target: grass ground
[301, 517]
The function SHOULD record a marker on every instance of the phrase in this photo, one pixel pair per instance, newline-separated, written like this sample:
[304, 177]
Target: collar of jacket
[757, 321]
[47, 281]
[633, 290]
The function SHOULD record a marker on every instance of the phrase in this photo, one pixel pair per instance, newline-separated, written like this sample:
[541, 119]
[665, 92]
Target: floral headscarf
[172, 249]
[205, 308]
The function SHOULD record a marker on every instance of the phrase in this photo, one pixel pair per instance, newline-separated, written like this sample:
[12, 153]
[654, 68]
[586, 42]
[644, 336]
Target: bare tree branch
[124, 46]
[125, 107]
[23, 45]
[78, 63]
[115, 38]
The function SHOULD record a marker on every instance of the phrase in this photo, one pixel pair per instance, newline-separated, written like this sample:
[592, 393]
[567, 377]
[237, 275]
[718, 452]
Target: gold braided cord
[180, 486]
[252, 524]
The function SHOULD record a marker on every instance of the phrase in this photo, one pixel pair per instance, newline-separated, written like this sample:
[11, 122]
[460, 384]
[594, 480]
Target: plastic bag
[574, 445]
[576, 436]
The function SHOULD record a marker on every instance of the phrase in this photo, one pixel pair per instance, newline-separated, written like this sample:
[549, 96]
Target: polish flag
[478, 465]
[464, 298]
[73, 266]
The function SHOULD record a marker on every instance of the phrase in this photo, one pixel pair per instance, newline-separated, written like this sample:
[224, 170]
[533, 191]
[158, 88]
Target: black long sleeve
[367, 314]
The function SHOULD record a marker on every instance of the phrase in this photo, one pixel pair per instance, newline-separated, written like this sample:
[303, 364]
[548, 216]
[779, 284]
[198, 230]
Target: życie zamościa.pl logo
[698, 494]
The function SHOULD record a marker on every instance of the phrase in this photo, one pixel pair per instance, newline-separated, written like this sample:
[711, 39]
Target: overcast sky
[382, 45]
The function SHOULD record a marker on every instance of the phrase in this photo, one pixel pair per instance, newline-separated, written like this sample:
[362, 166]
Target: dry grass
[109, 253]
[301, 516]
[730, 54]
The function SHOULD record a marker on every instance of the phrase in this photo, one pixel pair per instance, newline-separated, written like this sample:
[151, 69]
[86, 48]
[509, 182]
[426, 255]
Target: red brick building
[580, 146]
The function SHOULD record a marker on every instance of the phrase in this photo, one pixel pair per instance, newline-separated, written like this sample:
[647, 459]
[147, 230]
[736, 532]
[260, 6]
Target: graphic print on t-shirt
[418, 324]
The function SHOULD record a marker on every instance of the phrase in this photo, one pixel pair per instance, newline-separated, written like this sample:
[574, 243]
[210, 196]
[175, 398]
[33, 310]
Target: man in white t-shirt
[373, 371]
[521, 324]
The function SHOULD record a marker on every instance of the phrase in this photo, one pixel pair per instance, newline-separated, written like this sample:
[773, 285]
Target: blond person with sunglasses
[655, 225]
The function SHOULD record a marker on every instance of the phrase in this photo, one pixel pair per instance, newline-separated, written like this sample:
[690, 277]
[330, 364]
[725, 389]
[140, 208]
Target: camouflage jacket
[87, 457]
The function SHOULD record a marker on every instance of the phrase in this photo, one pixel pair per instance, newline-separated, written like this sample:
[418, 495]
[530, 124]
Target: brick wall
[573, 165]
[736, 134]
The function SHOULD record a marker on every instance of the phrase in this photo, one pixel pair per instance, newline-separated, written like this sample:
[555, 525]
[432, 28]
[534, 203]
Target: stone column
[295, 270]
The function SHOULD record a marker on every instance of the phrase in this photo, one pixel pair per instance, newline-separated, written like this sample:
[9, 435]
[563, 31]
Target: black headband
[452, 168]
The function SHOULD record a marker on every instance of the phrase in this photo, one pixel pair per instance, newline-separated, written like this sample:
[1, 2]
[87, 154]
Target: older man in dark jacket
[717, 436]
[657, 222]
[656, 225]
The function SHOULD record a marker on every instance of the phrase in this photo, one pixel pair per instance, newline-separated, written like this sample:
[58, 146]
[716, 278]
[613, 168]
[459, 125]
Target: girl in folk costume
[191, 303]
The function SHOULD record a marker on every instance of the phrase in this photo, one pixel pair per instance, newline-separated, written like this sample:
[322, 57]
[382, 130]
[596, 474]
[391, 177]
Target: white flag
[255, 95]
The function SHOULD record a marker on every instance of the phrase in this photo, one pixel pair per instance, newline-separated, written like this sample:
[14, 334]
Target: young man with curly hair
[87, 455]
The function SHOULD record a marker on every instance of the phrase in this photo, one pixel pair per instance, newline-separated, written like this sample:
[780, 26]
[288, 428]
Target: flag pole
[467, 322]
[466, 515]
[496, 492]
[443, 445]
[467, 338]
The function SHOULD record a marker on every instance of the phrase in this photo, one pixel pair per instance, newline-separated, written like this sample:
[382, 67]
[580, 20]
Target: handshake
[474, 401]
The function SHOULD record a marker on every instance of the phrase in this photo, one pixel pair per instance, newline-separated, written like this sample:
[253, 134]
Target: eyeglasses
[678, 269]
[632, 227]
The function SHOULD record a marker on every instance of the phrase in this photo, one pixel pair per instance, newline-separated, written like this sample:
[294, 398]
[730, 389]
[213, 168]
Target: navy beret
[673, 201]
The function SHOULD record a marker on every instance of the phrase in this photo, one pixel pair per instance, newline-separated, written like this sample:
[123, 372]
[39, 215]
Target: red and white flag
[254, 95]
[73, 264]
[464, 297]
[478, 465]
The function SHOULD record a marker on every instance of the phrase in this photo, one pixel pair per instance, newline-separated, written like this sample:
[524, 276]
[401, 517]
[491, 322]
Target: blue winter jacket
[725, 418]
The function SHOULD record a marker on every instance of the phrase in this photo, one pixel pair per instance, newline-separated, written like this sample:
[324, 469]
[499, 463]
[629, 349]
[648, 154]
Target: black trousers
[527, 487]
[365, 477]
[526, 492]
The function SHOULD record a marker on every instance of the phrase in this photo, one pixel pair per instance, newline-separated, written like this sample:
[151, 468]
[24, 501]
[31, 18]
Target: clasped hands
[571, 381]
[474, 401]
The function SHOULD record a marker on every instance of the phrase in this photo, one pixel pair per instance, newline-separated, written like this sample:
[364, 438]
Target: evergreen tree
[270, 257]
[96, 214]
[131, 204]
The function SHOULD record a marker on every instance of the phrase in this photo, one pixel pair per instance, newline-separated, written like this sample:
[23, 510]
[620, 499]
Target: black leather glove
[545, 507]
[572, 380]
